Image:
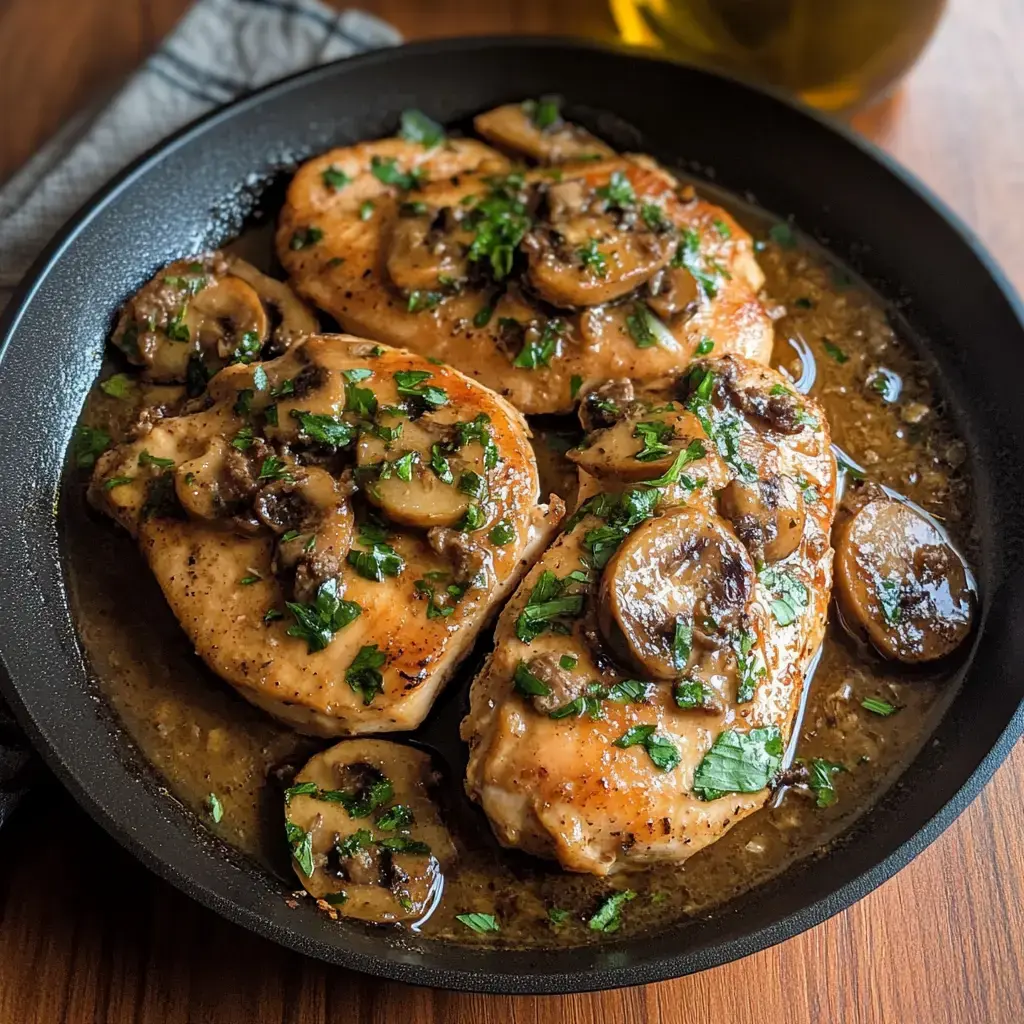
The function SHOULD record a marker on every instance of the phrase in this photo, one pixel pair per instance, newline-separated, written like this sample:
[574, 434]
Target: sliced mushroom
[768, 515]
[190, 308]
[565, 685]
[296, 320]
[371, 829]
[313, 520]
[214, 484]
[673, 291]
[416, 479]
[427, 252]
[680, 572]
[645, 445]
[901, 582]
[607, 403]
[590, 258]
[515, 126]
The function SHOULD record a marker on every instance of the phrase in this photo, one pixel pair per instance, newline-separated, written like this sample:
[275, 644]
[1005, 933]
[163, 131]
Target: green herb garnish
[364, 675]
[318, 621]
[739, 762]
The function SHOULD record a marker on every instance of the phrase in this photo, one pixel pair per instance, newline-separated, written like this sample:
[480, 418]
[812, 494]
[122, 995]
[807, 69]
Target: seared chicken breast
[332, 528]
[647, 672]
[199, 314]
[538, 283]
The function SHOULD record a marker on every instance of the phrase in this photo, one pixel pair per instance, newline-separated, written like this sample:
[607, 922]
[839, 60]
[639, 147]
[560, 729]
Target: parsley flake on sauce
[417, 127]
[480, 923]
[608, 917]
[739, 762]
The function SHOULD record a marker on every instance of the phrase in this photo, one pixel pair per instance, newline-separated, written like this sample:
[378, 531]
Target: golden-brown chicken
[199, 314]
[332, 528]
[646, 673]
[538, 283]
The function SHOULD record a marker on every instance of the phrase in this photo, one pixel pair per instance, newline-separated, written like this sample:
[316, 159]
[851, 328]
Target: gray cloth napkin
[220, 50]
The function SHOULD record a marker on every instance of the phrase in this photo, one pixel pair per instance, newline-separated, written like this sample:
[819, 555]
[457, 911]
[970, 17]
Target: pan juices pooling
[333, 519]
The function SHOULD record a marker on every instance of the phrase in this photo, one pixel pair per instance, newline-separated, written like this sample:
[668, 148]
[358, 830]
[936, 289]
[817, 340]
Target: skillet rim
[657, 968]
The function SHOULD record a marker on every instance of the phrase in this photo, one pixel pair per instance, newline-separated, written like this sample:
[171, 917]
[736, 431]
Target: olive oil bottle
[834, 54]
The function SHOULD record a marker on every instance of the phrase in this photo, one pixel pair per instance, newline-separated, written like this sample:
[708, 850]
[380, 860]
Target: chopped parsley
[361, 839]
[360, 401]
[386, 171]
[366, 208]
[587, 703]
[641, 324]
[722, 228]
[654, 434]
[479, 922]
[618, 193]
[248, 348]
[215, 808]
[301, 843]
[748, 665]
[364, 675]
[379, 561]
[834, 351]
[120, 385]
[782, 235]
[593, 259]
[791, 596]
[705, 346]
[423, 300]
[693, 693]
[820, 780]
[440, 465]
[540, 347]
[334, 178]
[889, 596]
[545, 112]
[316, 622]
[117, 481]
[300, 789]
[327, 431]
[878, 707]
[482, 317]
[474, 518]
[411, 386]
[145, 459]
[739, 762]
[502, 533]
[557, 916]
[499, 221]
[688, 254]
[417, 127]
[662, 751]
[567, 662]
[654, 217]
[303, 238]
[363, 803]
[526, 683]
[551, 601]
[575, 383]
[274, 468]
[682, 642]
[395, 817]
[89, 444]
[608, 917]
[403, 844]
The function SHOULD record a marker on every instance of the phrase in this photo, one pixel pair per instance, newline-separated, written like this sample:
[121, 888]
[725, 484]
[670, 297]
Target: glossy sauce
[202, 738]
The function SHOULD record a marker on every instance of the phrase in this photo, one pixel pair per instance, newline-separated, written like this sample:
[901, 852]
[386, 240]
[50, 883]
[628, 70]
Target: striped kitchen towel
[219, 51]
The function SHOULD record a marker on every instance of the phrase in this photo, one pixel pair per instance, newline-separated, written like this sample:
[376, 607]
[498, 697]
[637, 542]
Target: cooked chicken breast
[199, 314]
[332, 528]
[537, 283]
[647, 672]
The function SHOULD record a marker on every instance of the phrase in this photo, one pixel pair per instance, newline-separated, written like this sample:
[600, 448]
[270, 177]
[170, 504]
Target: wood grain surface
[86, 934]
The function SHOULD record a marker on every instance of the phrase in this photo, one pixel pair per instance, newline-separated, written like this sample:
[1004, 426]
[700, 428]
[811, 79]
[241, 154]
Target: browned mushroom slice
[211, 483]
[296, 321]
[536, 129]
[416, 478]
[646, 445]
[672, 292]
[365, 834]
[675, 579]
[191, 308]
[898, 579]
[768, 515]
[427, 251]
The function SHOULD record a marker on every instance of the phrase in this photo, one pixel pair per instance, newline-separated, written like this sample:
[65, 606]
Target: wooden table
[86, 934]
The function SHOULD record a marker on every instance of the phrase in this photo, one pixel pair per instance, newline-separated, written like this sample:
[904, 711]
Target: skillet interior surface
[196, 191]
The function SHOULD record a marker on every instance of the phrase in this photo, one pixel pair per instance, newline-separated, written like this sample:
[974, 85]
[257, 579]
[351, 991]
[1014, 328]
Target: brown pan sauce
[203, 739]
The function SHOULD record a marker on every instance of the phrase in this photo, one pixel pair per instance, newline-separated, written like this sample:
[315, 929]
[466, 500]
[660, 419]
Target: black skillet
[196, 190]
